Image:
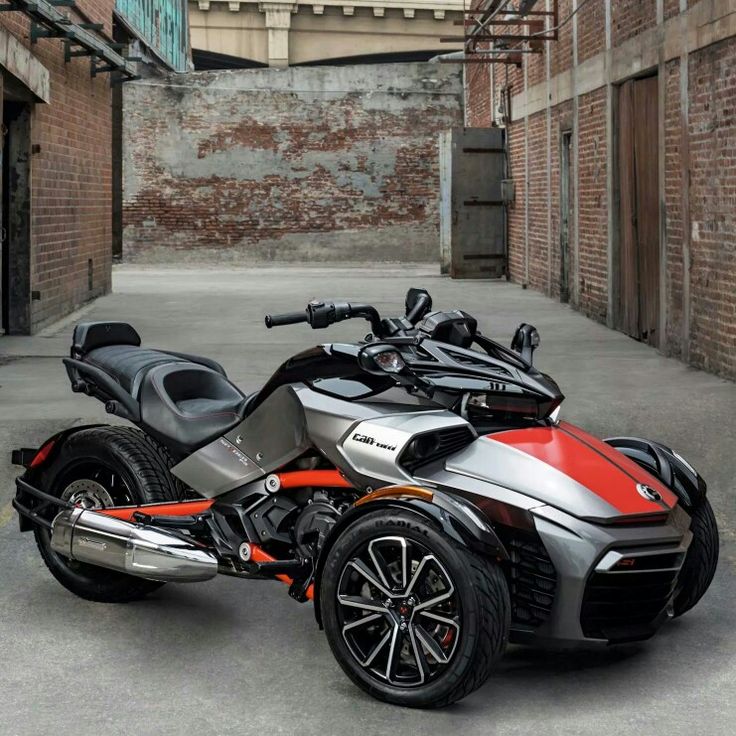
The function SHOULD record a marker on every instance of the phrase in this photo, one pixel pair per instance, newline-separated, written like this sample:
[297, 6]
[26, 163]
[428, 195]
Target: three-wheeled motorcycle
[417, 485]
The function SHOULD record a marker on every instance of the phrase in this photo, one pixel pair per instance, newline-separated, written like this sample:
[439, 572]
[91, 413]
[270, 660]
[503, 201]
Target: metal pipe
[143, 551]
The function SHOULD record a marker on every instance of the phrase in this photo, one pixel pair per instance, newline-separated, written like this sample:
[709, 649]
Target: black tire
[141, 468]
[701, 559]
[481, 612]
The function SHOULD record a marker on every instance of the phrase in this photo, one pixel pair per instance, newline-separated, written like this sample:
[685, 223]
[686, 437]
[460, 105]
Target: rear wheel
[701, 559]
[412, 617]
[98, 468]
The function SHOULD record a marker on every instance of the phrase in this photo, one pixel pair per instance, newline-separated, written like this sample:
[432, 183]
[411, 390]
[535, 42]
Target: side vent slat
[438, 445]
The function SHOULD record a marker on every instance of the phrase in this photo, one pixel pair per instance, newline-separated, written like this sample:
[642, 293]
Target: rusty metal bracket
[535, 28]
[40, 31]
[48, 22]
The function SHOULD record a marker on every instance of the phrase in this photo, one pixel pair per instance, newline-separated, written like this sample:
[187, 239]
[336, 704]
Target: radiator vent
[433, 446]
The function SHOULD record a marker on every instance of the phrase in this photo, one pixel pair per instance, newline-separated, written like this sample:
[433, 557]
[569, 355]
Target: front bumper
[597, 597]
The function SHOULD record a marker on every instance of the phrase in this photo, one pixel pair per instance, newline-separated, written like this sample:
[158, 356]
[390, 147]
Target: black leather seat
[189, 404]
[185, 400]
[127, 364]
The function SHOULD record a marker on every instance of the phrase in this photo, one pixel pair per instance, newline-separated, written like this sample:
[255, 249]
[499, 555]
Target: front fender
[455, 516]
[666, 465]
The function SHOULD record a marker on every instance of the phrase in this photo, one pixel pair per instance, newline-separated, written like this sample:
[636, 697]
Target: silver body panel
[364, 440]
[372, 448]
[295, 418]
[511, 468]
[576, 547]
[271, 436]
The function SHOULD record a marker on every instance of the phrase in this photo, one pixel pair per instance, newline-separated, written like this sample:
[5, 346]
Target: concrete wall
[321, 163]
[572, 86]
[283, 32]
[70, 205]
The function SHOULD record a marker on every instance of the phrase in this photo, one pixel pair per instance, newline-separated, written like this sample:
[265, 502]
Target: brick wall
[538, 241]
[319, 163]
[478, 77]
[697, 144]
[673, 139]
[70, 175]
[712, 140]
[631, 17]
[591, 21]
[592, 296]
[516, 214]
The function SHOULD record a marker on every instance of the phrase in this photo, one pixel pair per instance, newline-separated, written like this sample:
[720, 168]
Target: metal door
[639, 215]
[472, 223]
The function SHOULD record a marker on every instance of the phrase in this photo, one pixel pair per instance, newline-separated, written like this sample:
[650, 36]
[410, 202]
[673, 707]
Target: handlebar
[323, 314]
[290, 318]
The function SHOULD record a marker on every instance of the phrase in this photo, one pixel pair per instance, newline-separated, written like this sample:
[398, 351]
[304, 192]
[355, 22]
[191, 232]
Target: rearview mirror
[525, 341]
[418, 302]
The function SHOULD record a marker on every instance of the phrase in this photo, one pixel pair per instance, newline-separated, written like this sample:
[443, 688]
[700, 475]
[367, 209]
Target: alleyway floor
[231, 657]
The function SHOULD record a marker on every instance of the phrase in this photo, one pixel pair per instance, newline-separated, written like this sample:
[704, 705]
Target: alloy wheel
[398, 611]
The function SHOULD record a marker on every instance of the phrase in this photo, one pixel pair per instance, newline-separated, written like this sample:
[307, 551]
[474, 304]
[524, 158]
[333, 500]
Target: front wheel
[412, 617]
[701, 559]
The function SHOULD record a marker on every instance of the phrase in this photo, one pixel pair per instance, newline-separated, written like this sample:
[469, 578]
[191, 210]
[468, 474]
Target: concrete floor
[233, 657]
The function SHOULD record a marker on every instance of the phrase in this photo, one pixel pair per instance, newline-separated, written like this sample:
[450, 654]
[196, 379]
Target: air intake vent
[628, 604]
[433, 446]
[533, 580]
[476, 362]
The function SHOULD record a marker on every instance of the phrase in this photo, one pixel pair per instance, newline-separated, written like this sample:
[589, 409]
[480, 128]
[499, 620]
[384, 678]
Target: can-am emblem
[648, 492]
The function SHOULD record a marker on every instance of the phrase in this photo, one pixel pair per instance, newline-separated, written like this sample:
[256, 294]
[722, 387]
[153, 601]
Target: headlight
[506, 399]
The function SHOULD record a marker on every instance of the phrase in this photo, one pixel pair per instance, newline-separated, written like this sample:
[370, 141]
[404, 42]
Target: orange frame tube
[183, 508]
[294, 479]
[257, 554]
[302, 478]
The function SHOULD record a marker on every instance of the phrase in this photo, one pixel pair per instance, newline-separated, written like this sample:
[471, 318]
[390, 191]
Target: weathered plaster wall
[321, 163]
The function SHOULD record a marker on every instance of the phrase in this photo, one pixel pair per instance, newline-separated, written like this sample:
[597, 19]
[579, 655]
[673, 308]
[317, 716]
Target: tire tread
[701, 559]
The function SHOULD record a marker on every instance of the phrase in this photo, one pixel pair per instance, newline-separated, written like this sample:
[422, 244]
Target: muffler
[144, 551]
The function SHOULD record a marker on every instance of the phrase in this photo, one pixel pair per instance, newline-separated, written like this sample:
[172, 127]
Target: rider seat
[185, 400]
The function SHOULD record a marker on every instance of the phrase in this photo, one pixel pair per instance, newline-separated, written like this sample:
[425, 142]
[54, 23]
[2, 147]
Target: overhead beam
[48, 22]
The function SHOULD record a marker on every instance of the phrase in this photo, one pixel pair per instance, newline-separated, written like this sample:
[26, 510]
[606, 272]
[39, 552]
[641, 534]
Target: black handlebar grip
[292, 318]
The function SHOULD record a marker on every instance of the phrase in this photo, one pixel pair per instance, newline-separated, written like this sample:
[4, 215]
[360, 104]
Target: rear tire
[122, 465]
[701, 559]
[467, 627]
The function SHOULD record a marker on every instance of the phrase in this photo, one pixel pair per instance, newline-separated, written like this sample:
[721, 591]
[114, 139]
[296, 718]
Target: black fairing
[685, 482]
[322, 361]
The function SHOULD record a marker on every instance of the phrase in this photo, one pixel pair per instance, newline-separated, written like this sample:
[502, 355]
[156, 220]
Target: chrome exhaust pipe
[135, 549]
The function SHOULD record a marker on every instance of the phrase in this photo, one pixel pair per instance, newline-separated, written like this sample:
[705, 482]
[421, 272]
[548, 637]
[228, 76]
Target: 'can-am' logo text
[367, 440]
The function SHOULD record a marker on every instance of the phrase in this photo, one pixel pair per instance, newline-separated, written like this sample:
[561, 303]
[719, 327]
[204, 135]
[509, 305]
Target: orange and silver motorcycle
[417, 486]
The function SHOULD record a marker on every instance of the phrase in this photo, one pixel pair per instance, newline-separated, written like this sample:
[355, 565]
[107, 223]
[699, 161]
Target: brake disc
[88, 494]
